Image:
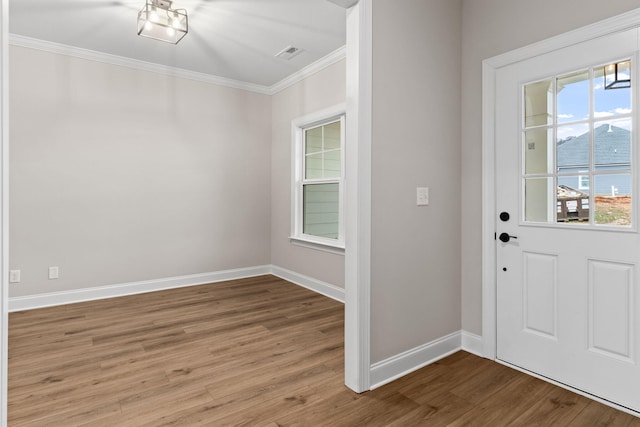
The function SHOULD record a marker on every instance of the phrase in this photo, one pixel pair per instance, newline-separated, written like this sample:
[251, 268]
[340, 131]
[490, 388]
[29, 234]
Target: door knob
[504, 216]
[504, 237]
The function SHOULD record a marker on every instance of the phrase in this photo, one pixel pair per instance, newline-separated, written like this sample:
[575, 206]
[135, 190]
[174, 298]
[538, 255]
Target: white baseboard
[111, 291]
[472, 343]
[404, 363]
[315, 285]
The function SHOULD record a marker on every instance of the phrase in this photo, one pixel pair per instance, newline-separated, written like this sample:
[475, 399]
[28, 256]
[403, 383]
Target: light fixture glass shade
[618, 75]
[158, 21]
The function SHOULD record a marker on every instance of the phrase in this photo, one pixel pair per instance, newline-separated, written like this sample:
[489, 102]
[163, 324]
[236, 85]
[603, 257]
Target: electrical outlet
[14, 276]
[54, 272]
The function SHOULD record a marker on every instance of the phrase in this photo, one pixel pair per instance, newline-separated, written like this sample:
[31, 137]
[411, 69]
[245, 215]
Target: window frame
[298, 180]
[592, 121]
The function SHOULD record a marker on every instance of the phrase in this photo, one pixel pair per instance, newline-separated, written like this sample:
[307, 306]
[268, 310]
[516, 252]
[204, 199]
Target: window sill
[320, 246]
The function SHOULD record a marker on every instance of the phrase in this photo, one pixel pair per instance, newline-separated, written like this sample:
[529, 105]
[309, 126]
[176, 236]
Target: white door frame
[358, 198]
[618, 23]
[4, 204]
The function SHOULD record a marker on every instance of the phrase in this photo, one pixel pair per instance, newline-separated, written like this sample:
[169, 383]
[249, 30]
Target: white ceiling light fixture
[157, 20]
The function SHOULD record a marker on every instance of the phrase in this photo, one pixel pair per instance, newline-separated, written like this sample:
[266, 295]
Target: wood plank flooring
[257, 351]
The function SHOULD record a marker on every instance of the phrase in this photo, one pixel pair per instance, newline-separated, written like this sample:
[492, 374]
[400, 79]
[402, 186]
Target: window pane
[613, 199]
[321, 203]
[573, 147]
[313, 140]
[572, 205]
[609, 102]
[573, 97]
[613, 145]
[617, 76]
[539, 195]
[538, 148]
[322, 152]
[332, 136]
[538, 104]
[332, 165]
[313, 166]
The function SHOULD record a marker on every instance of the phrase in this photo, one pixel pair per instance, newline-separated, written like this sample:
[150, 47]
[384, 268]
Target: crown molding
[92, 55]
[122, 61]
[319, 65]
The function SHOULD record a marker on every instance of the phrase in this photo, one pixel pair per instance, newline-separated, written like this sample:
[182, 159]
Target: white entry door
[568, 247]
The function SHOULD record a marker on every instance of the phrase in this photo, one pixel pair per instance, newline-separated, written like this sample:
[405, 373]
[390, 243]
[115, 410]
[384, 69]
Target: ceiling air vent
[288, 52]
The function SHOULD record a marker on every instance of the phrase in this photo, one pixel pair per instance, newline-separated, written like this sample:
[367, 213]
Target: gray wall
[492, 27]
[317, 92]
[415, 288]
[119, 175]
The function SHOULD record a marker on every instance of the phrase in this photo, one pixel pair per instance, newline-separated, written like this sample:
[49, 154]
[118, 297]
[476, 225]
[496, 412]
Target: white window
[583, 182]
[318, 162]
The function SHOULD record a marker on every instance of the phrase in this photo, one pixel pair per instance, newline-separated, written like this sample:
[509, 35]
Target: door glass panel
[573, 97]
[572, 205]
[538, 192]
[609, 102]
[538, 149]
[613, 199]
[573, 146]
[612, 150]
[577, 167]
[538, 103]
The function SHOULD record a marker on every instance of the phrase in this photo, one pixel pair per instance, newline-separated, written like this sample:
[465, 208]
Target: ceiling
[232, 39]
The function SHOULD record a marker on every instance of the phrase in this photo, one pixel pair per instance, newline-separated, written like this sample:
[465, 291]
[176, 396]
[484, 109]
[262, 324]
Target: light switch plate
[422, 196]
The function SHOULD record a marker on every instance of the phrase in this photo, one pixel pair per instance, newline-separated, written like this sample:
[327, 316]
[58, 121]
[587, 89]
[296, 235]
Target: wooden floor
[257, 351]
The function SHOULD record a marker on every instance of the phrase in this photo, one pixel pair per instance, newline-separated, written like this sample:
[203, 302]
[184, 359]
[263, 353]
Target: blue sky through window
[573, 104]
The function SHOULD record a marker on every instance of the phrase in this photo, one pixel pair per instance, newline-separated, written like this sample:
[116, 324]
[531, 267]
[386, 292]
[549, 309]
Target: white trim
[488, 212]
[324, 115]
[52, 299]
[332, 249]
[319, 65]
[411, 360]
[472, 343]
[315, 285]
[612, 25]
[112, 291]
[358, 197]
[122, 61]
[106, 58]
[575, 390]
[607, 26]
[4, 206]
